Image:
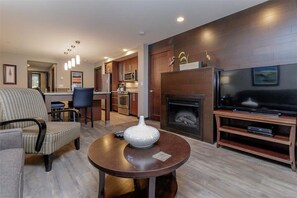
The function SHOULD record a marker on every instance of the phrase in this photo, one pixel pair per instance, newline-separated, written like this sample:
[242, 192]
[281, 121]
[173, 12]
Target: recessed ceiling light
[141, 33]
[180, 19]
[105, 57]
[125, 50]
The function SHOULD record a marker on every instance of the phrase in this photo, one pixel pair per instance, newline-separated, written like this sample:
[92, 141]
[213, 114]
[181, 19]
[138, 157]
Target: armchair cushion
[11, 138]
[57, 135]
[12, 158]
[11, 172]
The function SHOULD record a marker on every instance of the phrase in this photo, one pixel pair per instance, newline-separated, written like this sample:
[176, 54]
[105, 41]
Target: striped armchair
[25, 108]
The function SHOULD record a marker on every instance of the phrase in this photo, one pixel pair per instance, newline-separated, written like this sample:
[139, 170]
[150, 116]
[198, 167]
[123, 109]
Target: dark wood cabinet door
[108, 68]
[114, 101]
[159, 63]
[134, 104]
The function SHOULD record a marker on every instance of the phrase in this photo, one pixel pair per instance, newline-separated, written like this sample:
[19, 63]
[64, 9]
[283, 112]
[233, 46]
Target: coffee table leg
[174, 173]
[152, 187]
[101, 184]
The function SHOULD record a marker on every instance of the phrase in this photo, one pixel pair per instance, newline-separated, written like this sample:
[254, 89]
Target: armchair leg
[48, 160]
[77, 143]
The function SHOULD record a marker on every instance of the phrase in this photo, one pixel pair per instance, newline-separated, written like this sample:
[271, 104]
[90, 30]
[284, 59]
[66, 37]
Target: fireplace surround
[191, 83]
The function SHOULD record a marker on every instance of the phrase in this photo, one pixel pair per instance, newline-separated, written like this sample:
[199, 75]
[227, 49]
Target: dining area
[95, 106]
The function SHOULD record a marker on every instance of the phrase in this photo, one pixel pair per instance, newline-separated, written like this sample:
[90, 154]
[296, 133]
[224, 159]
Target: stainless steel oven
[123, 103]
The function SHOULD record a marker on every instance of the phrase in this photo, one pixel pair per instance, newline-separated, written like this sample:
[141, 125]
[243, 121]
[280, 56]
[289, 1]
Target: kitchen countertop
[126, 90]
[67, 93]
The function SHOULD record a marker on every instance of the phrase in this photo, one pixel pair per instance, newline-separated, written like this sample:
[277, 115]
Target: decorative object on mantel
[193, 65]
[73, 61]
[171, 61]
[183, 58]
[208, 59]
[141, 135]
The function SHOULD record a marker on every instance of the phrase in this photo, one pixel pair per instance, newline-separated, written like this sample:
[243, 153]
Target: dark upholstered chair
[83, 98]
[25, 108]
[12, 158]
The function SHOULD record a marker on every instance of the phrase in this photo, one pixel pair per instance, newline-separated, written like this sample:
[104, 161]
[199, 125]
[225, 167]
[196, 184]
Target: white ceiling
[46, 28]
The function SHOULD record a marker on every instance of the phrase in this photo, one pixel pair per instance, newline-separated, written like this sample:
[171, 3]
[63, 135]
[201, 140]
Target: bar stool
[83, 98]
[55, 106]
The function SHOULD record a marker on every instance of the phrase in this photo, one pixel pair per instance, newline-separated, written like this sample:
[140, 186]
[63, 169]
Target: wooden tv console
[288, 140]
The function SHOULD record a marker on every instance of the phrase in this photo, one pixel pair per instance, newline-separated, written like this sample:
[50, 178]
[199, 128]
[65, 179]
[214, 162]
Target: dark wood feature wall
[191, 82]
[259, 36]
[262, 35]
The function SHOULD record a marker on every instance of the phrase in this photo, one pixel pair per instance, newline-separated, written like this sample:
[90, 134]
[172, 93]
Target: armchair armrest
[41, 133]
[11, 138]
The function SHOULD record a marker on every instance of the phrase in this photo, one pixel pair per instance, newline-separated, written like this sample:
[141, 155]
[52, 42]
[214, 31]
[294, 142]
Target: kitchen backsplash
[132, 86]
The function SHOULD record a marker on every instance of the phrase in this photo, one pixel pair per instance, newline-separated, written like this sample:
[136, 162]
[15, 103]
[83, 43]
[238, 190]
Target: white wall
[21, 62]
[62, 77]
[143, 80]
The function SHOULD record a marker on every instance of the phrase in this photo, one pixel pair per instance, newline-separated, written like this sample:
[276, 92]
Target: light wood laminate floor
[210, 171]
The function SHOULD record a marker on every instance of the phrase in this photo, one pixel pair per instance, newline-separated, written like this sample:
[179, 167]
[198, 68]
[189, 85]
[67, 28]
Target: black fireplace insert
[184, 115]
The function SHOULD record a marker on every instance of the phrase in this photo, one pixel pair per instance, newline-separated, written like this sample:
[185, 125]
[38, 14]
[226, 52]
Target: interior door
[98, 78]
[159, 63]
[53, 88]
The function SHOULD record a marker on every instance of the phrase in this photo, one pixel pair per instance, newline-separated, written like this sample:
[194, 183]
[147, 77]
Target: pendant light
[69, 64]
[73, 61]
[77, 57]
[65, 66]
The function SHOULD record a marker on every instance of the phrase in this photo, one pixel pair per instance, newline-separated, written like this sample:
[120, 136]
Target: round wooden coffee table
[114, 156]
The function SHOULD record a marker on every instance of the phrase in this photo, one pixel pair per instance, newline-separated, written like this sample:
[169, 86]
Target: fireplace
[184, 115]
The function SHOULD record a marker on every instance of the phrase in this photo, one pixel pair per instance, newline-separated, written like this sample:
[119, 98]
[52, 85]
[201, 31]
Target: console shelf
[289, 141]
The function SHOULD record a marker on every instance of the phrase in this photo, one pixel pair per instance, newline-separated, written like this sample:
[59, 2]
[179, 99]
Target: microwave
[130, 76]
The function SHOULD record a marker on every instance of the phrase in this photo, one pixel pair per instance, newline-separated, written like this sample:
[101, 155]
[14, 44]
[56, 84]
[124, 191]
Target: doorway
[98, 78]
[41, 74]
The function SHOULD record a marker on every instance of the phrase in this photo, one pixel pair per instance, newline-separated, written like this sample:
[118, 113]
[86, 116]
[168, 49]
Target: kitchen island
[67, 96]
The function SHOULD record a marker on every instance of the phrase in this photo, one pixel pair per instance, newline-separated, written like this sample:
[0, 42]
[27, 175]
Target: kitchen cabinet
[108, 68]
[130, 65]
[114, 101]
[121, 73]
[134, 104]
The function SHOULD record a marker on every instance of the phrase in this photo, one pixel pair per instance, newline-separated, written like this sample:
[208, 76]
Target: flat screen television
[268, 89]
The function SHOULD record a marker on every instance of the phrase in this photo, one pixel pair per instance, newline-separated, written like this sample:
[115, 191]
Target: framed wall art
[9, 74]
[265, 76]
[76, 79]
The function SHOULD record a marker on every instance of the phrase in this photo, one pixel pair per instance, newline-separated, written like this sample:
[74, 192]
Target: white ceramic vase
[141, 135]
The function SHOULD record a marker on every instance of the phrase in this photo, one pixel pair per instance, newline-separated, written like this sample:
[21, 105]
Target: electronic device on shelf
[269, 89]
[263, 130]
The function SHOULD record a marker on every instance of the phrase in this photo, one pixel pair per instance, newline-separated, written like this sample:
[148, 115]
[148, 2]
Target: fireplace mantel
[188, 83]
